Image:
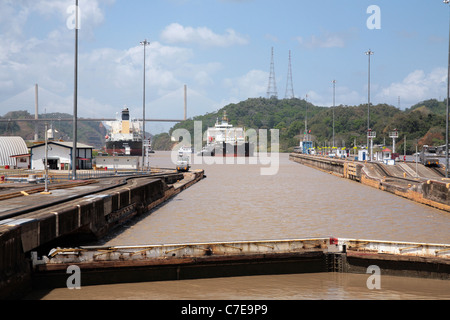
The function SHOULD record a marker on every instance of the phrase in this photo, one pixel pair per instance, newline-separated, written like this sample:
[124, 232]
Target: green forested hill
[423, 123]
[90, 133]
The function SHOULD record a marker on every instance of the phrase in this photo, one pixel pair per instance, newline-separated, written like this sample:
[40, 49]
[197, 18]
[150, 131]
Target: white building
[60, 156]
[363, 155]
[118, 163]
[22, 161]
[384, 156]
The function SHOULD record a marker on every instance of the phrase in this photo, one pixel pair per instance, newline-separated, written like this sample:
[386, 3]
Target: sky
[221, 50]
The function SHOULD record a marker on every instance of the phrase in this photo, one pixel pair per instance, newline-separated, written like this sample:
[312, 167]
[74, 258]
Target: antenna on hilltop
[289, 84]
[272, 89]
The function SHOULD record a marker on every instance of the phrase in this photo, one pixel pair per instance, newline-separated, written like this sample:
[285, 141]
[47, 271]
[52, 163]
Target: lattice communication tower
[289, 84]
[272, 88]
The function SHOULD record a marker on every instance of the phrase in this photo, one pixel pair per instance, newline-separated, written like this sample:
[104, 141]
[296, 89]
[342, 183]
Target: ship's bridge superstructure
[225, 132]
[125, 129]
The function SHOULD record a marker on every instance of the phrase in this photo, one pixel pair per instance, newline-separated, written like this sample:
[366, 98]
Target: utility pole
[447, 114]
[144, 43]
[306, 118]
[370, 133]
[334, 105]
[46, 158]
[75, 97]
[405, 150]
[36, 112]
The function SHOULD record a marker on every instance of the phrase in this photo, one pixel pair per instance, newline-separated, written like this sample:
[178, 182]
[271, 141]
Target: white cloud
[344, 96]
[251, 85]
[417, 86]
[176, 33]
[91, 14]
[327, 39]
[108, 78]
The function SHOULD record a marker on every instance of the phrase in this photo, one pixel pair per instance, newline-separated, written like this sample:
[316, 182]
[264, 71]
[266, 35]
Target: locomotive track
[95, 187]
[432, 173]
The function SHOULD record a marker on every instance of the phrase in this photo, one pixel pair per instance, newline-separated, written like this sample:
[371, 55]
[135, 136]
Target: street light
[334, 105]
[448, 96]
[368, 53]
[393, 135]
[370, 136]
[144, 43]
[75, 97]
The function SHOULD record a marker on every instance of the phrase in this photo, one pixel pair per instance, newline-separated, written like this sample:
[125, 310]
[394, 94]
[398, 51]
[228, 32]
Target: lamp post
[448, 96]
[46, 159]
[75, 97]
[334, 105]
[393, 135]
[144, 43]
[368, 53]
[370, 136]
[306, 119]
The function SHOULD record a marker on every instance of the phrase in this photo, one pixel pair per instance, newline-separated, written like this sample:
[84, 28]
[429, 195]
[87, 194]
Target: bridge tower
[272, 88]
[289, 84]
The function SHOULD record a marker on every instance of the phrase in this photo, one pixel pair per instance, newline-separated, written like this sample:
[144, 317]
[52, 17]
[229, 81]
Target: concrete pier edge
[428, 192]
[93, 216]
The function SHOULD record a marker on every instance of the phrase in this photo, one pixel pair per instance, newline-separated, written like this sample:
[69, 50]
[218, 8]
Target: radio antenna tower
[272, 89]
[289, 84]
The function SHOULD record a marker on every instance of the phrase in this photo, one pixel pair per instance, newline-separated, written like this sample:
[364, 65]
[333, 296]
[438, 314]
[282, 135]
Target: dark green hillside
[423, 123]
[90, 133]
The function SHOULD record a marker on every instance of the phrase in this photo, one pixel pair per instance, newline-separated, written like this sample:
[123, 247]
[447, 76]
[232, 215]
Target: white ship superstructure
[125, 135]
[225, 140]
[224, 132]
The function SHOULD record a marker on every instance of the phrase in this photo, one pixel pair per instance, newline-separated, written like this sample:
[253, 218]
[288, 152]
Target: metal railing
[55, 176]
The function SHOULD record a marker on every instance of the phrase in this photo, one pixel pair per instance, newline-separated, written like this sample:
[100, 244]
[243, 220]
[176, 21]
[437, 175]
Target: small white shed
[363, 155]
[383, 155]
[60, 156]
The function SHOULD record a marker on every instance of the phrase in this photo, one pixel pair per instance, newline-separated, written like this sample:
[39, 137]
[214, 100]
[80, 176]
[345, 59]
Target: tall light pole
[368, 53]
[334, 105]
[46, 158]
[75, 97]
[448, 96]
[144, 43]
[306, 118]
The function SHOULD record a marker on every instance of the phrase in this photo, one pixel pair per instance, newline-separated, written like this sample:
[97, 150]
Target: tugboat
[227, 141]
[125, 136]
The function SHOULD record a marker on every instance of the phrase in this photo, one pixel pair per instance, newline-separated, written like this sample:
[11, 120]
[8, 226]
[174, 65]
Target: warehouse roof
[65, 144]
[11, 146]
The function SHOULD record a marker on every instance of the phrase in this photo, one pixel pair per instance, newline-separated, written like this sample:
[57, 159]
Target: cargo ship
[125, 136]
[227, 141]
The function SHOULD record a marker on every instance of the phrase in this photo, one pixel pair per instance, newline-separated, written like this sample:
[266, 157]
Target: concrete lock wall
[14, 269]
[333, 166]
[429, 192]
[92, 215]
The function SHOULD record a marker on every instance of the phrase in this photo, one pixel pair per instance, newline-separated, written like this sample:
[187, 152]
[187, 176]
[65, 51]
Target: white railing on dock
[162, 252]
[84, 255]
[397, 248]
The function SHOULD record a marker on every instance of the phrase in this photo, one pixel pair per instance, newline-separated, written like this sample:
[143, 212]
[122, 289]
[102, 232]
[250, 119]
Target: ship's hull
[122, 147]
[229, 150]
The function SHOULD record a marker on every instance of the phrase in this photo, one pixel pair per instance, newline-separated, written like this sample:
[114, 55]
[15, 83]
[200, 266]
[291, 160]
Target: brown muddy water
[236, 202]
